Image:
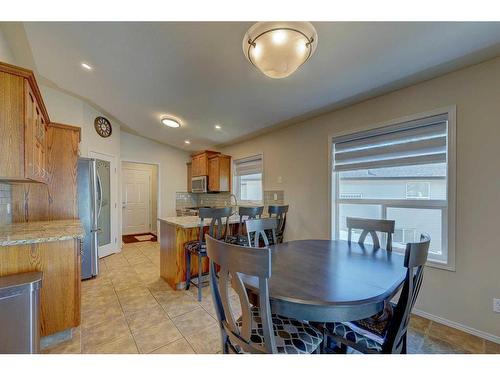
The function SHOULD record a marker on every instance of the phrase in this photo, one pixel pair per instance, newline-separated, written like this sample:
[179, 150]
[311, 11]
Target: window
[248, 179]
[399, 172]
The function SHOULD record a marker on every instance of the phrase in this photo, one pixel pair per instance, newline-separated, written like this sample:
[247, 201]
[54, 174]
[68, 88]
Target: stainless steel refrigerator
[89, 203]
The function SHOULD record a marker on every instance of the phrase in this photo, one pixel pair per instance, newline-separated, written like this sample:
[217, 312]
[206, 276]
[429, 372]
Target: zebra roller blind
[247, 166]
[422, 141]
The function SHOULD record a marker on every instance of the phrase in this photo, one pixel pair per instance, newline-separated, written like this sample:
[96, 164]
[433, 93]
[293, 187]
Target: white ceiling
[197, 71]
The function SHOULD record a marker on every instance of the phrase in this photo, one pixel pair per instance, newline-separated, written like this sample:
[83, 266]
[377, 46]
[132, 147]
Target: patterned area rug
[140, 237]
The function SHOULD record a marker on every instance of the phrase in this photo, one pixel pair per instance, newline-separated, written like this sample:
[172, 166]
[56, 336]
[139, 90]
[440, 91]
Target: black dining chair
[279, 212]
[245, 213]
[258, 231]
[258, 330]
[386, 336]
[371, 226]
[217, 228]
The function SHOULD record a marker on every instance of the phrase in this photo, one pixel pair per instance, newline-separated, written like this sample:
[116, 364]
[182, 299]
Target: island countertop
[187, 222]
[40, 231]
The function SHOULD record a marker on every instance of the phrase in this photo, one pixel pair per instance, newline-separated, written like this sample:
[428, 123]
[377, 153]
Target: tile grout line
[124, 316]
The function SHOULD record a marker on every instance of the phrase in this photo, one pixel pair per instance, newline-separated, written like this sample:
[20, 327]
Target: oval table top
[321, 280]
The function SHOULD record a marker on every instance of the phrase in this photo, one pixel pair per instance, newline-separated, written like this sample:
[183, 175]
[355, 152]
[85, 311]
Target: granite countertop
[40, 231]
[194, 221]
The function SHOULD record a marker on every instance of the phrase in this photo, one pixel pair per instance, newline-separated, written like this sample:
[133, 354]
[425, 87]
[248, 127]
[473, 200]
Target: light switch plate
[496, 305]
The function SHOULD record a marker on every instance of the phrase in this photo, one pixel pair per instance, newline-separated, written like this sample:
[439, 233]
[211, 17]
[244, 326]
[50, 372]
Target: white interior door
[136, 204]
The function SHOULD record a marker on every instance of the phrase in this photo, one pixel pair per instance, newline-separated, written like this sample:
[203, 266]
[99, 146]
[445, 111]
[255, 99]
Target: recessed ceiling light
[86, 66]
[170, 122]
[187, 141]
[218, 127]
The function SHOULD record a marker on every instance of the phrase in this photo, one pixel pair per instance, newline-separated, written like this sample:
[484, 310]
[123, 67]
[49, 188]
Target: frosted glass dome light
[278, 49]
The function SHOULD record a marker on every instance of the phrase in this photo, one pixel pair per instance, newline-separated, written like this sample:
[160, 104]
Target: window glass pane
[250, 187]
[427, 181]
[411, 222]
[366, 211]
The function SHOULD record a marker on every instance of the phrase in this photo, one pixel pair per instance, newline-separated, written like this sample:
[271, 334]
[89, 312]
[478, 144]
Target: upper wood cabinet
[214, 165]
[219, 173]
[189, 176]
[23, 125]
[199, 162]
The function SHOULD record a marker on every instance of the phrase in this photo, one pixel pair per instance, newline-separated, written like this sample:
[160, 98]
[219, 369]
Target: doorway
[139, 201]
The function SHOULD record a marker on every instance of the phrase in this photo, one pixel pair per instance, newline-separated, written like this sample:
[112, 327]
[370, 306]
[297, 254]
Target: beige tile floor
[128, 308]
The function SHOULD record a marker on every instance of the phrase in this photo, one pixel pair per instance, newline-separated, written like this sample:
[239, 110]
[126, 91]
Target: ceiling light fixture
[170, 122]
[187, 141]
[218, 127]
[278, 49]
[86, 66]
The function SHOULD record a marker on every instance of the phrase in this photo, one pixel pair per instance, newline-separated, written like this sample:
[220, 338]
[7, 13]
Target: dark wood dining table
[330, 281]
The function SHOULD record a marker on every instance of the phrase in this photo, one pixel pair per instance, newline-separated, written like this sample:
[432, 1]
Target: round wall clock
[102, 126]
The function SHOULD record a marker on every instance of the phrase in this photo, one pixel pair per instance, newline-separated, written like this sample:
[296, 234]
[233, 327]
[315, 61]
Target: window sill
[441, 266]
[432, 263]
[250, 203]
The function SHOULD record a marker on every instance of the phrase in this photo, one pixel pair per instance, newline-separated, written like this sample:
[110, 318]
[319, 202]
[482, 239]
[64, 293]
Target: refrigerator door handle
[99, 186]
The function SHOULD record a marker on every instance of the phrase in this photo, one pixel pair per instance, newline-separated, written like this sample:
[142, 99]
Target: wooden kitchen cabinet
[189, 176]
[199, 162]
[23, 125]
[60, 263]
[219, 173]
[57, 198]
[35, 144]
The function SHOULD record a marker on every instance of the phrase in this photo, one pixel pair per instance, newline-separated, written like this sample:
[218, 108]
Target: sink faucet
[235, 205]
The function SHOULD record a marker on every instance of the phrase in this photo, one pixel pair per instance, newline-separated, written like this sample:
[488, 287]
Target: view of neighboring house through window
[398, 172]
[248, 179]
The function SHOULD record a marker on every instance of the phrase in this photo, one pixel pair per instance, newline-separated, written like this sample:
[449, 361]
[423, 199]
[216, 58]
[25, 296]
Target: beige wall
[299, 154]
[153, 170]
[171, 162]
[5, 51]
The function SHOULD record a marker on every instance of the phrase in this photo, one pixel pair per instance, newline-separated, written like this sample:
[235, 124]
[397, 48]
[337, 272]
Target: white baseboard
[459, 326]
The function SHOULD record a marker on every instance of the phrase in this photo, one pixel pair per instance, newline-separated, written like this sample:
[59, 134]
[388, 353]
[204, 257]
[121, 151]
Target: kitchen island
[53, 248]
[174, 233]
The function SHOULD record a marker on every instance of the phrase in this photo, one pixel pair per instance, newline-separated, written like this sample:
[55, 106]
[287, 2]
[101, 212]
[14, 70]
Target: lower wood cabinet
[59, 261]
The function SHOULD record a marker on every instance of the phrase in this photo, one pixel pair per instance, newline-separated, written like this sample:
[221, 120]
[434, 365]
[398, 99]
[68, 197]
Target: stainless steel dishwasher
[19, 313]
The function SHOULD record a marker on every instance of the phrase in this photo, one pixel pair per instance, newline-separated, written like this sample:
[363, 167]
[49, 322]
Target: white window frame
[236, 184]
[448, 206]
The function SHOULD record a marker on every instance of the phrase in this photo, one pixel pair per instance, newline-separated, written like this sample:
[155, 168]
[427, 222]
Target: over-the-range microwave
[199, 184]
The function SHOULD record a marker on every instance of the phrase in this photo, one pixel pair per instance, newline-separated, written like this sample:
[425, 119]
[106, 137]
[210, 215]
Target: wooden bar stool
[245, 213]
[279, 212]
[217, 228]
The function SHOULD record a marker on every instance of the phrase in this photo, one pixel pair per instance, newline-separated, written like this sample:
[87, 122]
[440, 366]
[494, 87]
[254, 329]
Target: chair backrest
[415, 258]
[371, 226]
[279, 212]
[256, 229]
[247, 213]
[217, 228]
[233, 261]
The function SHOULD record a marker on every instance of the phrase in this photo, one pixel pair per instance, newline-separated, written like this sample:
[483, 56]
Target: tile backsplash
[274, 197]
[184, 200]
[5, 204]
